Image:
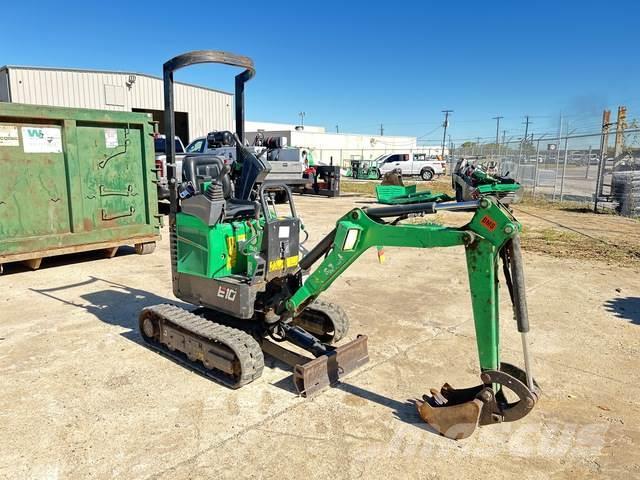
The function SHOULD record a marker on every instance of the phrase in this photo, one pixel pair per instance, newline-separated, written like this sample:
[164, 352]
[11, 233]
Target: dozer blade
[455, 413]
[319, 373]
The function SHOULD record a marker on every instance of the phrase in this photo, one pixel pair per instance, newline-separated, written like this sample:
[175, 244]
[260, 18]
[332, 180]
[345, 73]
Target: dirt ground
[82, 397]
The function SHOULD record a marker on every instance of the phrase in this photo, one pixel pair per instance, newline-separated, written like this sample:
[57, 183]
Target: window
[196, 146]
[161, 147]
[397, 158]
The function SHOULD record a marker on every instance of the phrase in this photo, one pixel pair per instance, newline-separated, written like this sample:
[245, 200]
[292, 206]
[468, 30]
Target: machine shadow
[626, 308]
[406, 411]
[120, 305]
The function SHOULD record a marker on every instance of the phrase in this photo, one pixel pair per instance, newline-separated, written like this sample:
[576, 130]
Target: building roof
[110, 72]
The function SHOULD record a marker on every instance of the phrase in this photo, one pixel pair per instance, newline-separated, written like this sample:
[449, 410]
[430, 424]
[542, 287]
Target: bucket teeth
[456, 412]
[452, 420]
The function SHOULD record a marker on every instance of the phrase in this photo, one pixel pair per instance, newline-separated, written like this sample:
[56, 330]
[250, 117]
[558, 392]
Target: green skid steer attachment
[400, 195]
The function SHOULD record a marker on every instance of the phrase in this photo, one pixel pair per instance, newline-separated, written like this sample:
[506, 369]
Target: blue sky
[358, 64]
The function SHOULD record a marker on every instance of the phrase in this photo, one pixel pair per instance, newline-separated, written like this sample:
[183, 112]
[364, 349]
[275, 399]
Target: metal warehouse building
[199, 110]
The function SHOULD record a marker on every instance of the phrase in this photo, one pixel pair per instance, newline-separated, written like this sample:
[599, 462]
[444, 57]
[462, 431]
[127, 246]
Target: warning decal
[111, 137]
[489, 223]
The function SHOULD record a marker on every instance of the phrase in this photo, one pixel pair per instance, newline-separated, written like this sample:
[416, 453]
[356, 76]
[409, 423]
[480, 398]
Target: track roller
[228, 355]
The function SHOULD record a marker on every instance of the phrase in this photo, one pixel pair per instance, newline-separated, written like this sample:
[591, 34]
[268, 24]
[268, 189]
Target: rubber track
[337, 316]
[246, 350]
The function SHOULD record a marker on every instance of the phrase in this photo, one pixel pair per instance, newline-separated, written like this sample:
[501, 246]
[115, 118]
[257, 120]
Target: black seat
[204, 168]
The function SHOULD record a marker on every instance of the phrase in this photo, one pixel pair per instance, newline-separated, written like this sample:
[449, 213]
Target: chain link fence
[591, 168]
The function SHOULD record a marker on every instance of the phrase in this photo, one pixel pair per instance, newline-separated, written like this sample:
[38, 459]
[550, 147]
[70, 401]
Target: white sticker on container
[283, 232]
[9, 136]
[42, 139]
[111, 137]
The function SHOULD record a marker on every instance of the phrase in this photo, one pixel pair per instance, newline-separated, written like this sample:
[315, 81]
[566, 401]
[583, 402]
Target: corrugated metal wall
[208, 109]
[4, 86]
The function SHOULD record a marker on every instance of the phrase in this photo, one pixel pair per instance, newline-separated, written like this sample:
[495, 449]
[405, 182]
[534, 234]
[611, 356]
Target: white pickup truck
[409, 165]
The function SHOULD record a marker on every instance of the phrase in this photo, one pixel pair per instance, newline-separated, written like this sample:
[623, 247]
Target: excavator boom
[492, 233]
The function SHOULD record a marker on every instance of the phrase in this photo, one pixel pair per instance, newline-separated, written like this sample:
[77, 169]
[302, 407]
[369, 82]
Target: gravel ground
[81, 397]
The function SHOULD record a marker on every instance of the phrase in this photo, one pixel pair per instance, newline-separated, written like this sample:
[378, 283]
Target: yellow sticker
[292, 261]
[276, 264]
[232, 251]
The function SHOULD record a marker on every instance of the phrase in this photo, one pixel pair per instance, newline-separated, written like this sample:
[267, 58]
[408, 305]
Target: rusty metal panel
[74, 177]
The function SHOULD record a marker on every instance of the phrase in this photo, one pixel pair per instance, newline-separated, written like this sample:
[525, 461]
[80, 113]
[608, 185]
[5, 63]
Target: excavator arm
[492, 233]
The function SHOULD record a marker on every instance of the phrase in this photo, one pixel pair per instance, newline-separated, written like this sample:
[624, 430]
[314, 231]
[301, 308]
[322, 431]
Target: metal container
[74, 180]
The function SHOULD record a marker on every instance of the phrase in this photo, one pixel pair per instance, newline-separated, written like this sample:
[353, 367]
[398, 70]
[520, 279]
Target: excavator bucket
[455, 413]
[319, 373]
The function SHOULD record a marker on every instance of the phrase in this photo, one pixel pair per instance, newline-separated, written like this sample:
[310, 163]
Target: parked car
[418, 164]
[199, 145]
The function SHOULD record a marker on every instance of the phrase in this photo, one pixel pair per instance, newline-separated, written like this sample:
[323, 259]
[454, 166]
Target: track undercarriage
[230, 350]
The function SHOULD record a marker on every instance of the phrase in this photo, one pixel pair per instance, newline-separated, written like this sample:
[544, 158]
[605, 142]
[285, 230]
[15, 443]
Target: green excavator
[237, 256]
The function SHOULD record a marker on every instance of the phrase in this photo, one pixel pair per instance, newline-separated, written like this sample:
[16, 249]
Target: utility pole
[555, 179]
[604, 144]
[621, 124]
[302, 115]
[381, 130]
[497, 119]
[524, 140]
[445, 125]
[526, 128]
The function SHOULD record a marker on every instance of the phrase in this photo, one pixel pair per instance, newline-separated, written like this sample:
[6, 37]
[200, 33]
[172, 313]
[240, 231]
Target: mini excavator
[237, 256]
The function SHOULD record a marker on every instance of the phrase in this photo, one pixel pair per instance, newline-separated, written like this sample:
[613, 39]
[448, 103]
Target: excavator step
[225, 354]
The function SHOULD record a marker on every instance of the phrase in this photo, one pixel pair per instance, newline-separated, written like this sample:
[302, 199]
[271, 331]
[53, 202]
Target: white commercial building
[199, 110]
[339, 148]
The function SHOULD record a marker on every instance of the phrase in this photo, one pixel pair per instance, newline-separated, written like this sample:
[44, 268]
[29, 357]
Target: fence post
[535, 175]
[586, 174]
[564, 166]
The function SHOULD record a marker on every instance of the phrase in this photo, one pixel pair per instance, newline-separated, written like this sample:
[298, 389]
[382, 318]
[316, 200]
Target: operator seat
[198, 169]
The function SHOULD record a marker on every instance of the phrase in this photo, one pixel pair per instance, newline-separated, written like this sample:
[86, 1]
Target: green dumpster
[75, 180]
